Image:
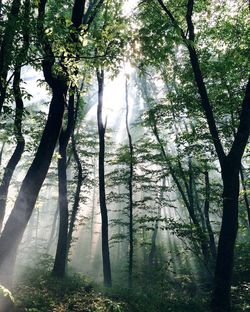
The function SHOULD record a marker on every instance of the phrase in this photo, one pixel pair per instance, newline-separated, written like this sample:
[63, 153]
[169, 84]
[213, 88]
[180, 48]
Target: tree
[61, 251]
[130, 187]
[102, 192]
[58, 82]
[110, 42]
[229, 162]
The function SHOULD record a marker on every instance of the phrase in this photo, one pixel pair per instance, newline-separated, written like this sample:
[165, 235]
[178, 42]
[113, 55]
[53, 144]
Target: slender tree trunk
[37, 229]
[77, 198]
[93, 211]
[243, 183]
[53, 229]
[102, 196]
[152, 254]
[207, 218]
[130, 188]
[1, 152]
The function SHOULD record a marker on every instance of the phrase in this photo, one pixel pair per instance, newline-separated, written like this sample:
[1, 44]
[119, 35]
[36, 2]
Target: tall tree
[80, 179]
[58, 80]
[230, 164]
[61, 251]
[130, 188]
[79, 18]
[102, 189]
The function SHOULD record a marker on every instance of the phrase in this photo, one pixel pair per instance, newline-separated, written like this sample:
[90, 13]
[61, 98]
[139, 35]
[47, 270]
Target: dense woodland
[125, 166]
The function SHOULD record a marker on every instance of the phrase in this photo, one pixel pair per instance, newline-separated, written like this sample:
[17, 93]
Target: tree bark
[102, 196]
[221, 301]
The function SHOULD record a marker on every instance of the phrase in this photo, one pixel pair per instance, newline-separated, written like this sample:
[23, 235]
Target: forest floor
[38, 291]
[41, 292]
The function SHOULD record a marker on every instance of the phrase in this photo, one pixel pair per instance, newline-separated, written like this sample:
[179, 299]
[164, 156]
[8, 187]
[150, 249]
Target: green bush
[39, 291]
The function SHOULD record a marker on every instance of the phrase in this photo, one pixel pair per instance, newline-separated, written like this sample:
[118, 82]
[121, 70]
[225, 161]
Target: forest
[124, 156]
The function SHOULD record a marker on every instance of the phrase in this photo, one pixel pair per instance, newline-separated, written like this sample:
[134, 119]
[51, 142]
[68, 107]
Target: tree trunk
[102, 196]
[207, 219]
[53, 229]
[1, 152]
[77, 198]
[62, 245]
[224, 265]
[130, 188]
[93, 212]
[244, 187]
[152, 254]
[61, 251]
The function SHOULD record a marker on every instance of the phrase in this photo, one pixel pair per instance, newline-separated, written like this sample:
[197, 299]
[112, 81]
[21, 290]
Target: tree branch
[242, 134]
[172, 18]
[198, 77]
